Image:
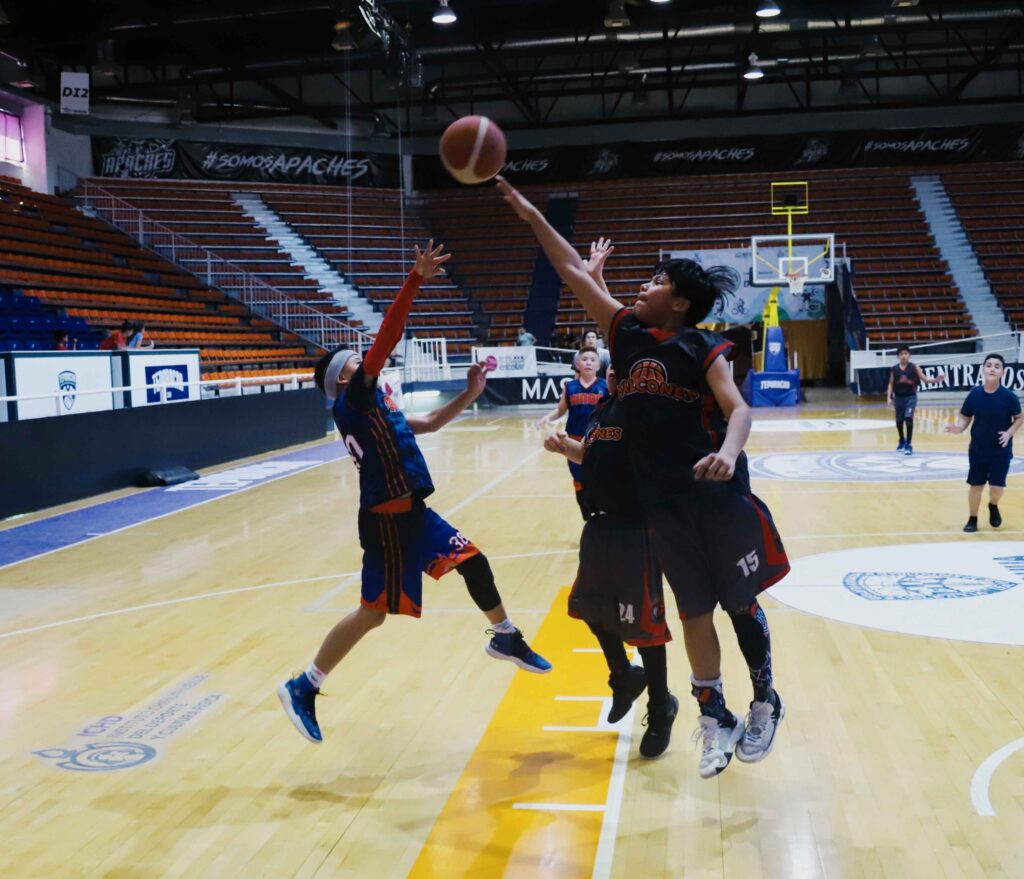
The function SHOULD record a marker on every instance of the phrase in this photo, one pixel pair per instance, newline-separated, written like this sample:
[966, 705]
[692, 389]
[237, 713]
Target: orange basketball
[473, 149]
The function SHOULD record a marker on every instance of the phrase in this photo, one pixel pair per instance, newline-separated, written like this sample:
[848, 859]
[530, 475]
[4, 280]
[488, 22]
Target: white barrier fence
[207, 388]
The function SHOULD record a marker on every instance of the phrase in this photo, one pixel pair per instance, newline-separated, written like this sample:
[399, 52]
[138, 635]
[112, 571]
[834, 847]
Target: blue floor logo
[125, 741]
[864, 466]
[100, 756]
[912, 585]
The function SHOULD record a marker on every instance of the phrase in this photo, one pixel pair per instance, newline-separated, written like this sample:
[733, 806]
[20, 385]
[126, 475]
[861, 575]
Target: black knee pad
[476, 571]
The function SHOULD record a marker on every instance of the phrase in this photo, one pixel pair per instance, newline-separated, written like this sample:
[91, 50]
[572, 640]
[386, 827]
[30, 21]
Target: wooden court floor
[140, 735]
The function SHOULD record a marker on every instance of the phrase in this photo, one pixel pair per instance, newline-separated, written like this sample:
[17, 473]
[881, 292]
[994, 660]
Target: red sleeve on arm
[392, 326]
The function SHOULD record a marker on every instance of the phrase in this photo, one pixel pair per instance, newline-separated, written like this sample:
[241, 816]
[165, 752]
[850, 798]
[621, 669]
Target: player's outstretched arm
[921, 377]
[722, 464]
[476, 381]
[600, 250]
[962, 421]
[562, 444]
[556, 413]
[600, 305]
[428, 264]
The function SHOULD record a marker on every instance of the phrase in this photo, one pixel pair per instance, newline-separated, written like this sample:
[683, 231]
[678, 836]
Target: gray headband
[334, 369]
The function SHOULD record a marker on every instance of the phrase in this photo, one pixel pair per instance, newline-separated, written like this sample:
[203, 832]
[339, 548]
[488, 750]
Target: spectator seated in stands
[61, 341]
[118, 339]
[525, 339]
[590, 340]
[137, 338]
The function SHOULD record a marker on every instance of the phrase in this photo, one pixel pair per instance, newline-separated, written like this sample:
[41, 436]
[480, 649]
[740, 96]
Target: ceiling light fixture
[753, 70]
[444, 14]
[767, 9]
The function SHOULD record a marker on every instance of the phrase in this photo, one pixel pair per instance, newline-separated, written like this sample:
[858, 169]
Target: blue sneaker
[297, 698]
[901, 446]
[513, 647]
[908, 449]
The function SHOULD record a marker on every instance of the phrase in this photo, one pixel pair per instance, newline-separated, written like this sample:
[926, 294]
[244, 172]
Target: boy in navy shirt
[402, 539]
[996, 415]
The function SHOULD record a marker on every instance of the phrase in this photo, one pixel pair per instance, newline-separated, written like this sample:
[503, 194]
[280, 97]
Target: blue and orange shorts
[402, 541]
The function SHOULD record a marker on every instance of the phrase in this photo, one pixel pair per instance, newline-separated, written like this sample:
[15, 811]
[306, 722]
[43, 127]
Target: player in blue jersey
[994, 413]
[618, 591]
[401, 537]
[715, 541]
[579, 399]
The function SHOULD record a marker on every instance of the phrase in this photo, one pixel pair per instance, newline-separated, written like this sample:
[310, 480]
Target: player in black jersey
[618, 591]
[904, 380]
[715, 541]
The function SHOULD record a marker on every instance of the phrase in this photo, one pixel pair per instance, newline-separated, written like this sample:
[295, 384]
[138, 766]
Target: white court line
[313, 465]
[169, 601]
[483, 489]
[983, 777]
[613, 804]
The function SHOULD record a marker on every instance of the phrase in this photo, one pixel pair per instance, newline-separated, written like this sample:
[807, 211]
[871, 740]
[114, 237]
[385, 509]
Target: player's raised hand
[520, 204]
[718, 466]
[428, 261]
[476, 378]
[600, 250]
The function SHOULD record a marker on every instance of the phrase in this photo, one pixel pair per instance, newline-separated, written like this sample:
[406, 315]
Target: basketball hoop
[796, 281]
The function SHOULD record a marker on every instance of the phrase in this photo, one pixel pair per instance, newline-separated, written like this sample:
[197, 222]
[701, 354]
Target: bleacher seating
[88, 277]
[359, 232]
[367, 235]
[904, 287]
[989, 200]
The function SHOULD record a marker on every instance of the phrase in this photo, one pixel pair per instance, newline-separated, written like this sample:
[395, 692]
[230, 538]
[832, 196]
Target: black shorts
[618, 584]
[905, 405]
[988, 467]
[718, 553]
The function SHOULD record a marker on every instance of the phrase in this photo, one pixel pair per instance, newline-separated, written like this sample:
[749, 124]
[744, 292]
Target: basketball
[473, 149]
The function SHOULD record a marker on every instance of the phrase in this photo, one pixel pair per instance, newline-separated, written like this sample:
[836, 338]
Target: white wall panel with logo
[169, 367]
[71, 372]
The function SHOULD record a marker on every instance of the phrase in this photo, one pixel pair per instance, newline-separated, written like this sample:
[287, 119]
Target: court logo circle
[962, 591]
[815, 425]
[864, 466]
[100, 756]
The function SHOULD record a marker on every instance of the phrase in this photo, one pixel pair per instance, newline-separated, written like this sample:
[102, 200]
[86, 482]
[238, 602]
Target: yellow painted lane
[531, 801]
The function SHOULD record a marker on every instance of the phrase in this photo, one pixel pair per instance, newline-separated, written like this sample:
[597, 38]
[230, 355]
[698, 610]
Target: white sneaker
[762, 723]
[717, 743]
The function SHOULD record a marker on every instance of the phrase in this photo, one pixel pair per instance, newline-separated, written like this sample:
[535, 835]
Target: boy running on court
[618, 591]
[715, 541]
[996, 415]
[904, 380]
[401, 538]
[579, 398]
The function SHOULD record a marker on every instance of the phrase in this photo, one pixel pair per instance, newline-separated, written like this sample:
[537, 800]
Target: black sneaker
[625, 691]
[994, 519]
[972, 525]
[659, 722]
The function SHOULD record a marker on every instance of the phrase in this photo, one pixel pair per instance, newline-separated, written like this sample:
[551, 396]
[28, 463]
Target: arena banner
[749, 153]
[960, 377]
[506, 362]
[544, 389]
[151, 158]
[741, 301]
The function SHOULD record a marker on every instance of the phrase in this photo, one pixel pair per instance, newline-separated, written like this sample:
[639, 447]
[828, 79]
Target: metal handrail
[257, 295]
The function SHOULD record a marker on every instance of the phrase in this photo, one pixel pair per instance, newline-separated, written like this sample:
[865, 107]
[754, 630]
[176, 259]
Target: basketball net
[796, 282]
